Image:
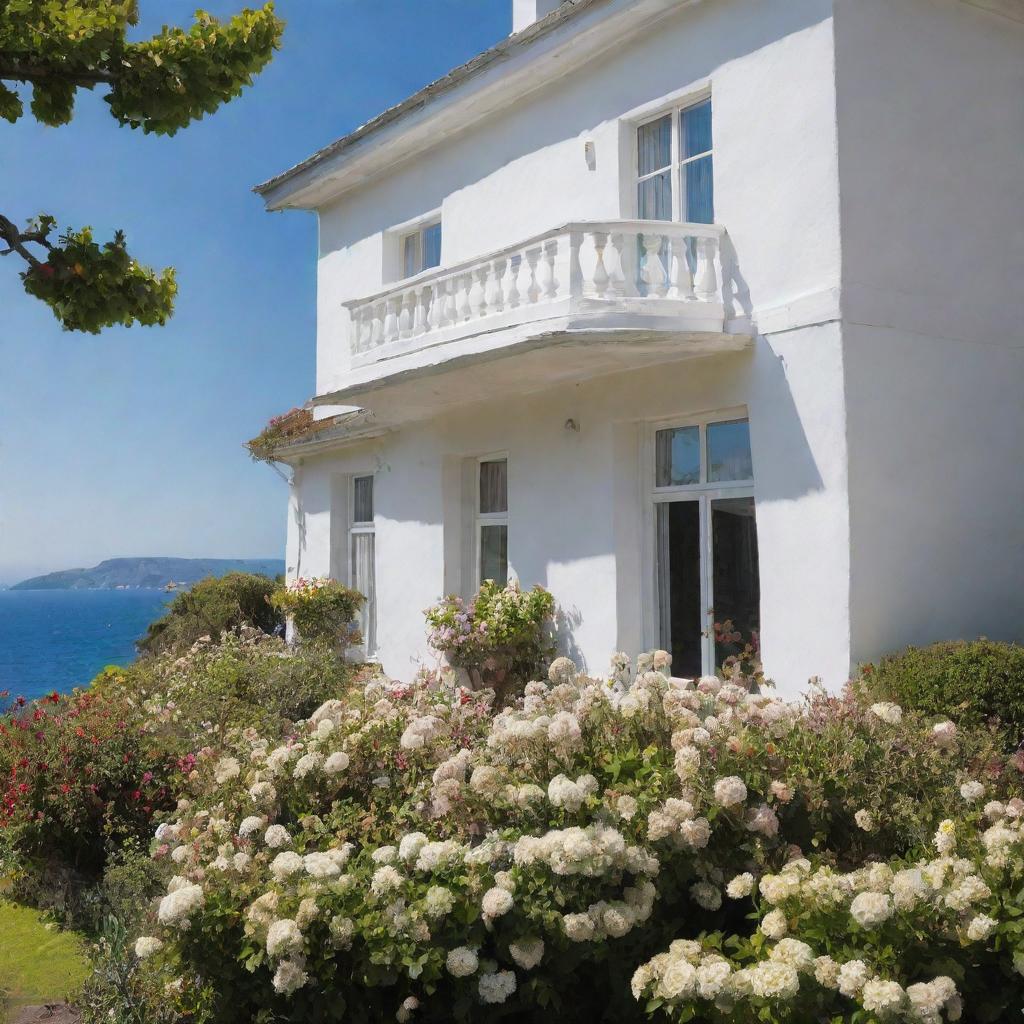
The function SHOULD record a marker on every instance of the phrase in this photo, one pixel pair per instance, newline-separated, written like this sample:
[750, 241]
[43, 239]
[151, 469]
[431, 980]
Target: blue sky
[129, 442]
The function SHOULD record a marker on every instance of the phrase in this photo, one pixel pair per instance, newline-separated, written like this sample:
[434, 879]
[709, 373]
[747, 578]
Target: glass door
[735, 604]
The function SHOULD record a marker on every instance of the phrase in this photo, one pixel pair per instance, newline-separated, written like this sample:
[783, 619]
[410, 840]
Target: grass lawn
[38, 964]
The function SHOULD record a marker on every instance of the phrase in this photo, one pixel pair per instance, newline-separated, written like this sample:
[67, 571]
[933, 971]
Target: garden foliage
[322, 609]
[601, 849]
[212, 607]
[968, 681]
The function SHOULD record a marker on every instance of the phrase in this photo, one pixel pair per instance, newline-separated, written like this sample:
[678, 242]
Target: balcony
[582, 299]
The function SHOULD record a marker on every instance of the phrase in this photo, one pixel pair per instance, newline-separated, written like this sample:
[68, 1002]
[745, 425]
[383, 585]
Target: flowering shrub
[322, 609]
[412, 853]
[501, 637]
[289, 426]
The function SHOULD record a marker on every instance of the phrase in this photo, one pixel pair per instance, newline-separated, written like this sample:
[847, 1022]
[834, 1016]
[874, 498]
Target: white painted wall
[769, 65]
[576, 504]
[931, 142]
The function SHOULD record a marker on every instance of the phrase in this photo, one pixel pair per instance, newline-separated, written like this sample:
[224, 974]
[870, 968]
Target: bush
[411, 853]
[968, 681]
[501, 637]
[82, 775]
[213, 607]
[322, 610]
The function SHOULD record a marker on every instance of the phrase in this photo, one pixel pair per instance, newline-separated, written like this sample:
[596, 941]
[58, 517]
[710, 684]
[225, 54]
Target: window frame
[482, 519]
[394, 269]
[675, 109]
[703, 492]
[356, 528]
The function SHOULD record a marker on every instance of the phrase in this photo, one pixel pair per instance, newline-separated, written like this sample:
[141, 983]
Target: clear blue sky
[129, 442]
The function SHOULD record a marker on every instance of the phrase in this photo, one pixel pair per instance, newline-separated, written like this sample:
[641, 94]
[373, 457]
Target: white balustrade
[643, 267]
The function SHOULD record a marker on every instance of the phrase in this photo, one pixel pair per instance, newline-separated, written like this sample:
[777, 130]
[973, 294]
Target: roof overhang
[529, 60]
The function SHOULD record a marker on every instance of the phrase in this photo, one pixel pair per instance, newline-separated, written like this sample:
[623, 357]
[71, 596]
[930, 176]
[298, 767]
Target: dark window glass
[431, 246]
[737, 586]
[494, 554]
[362, 511]
[678, 526]
[654, 145]
[493, 486]
[729, 451]
[677, 456]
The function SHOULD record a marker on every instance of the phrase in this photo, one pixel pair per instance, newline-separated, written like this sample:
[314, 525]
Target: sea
[59, 639]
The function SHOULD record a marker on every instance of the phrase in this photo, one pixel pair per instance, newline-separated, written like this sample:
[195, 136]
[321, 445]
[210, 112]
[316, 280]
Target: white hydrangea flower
[385, 879]
[774, 924]
[497, 986]
[497, 902]
[321, 865]
[564, 729]
[740, 886]
[944, 735]
[853, 976]
[773, 980]
[289, 977]
[626, 807]
[284, 938]
[945, 837]
[981, 927]
[178, 906]
[865, 820]
[343, 930]
[251, 825]
[972, 791]
[795, 953]
[706, 895]
[730, 791]
[147, 945]
[307, 764]
[336, 763]
[826, 972]
[384, 855]
[285, 864]
[438, 901]
[578, 927]
[883, 997]
[462, 962]
[276, 836]
[870, 909]
[527, 952]
[887, 712]
[227, 768]
[678, 980]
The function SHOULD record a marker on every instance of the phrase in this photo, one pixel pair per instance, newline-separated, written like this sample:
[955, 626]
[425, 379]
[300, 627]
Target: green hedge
[969, 681]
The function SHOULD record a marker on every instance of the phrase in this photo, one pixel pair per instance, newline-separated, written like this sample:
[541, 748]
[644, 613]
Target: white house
[689, 310]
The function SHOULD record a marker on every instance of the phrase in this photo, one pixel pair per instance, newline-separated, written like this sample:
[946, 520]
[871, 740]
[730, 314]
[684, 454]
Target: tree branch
[18, 70]
[16, 241]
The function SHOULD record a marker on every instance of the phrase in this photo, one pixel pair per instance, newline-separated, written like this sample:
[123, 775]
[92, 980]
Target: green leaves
[56, 47]
[89, 286]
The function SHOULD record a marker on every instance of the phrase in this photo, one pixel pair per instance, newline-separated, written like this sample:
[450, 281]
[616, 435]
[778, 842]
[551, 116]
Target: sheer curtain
[364, 580]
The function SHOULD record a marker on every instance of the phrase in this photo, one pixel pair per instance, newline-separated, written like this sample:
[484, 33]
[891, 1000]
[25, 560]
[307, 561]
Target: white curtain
[364, 580]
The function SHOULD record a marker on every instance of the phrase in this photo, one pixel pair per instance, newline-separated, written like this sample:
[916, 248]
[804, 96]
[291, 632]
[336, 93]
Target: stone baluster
[463, 307]
[495, 293]
[548, 282]
[680, 283]
[624, 271]
[652, 270]
[509, 287]
[406, 314]
[577, 285]
[706, 278]
[528, 287]
[377, 325]
[391, 318]
[355, 330]
[450, 314]
[434, 293]
[477, 287]
[421, 319]
[600, 278]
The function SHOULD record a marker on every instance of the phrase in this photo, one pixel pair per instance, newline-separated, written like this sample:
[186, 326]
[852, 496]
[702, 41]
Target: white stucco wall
[769, 66]
[931, 135]
[577, 505]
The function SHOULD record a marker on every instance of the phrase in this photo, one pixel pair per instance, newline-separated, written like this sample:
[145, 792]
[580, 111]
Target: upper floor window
[421, 249]
[675, 178]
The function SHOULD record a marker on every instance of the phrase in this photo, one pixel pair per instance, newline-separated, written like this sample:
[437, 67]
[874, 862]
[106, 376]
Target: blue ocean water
[58, 639]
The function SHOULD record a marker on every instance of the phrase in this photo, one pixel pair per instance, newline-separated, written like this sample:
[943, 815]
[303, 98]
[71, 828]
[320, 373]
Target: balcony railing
[640, 270]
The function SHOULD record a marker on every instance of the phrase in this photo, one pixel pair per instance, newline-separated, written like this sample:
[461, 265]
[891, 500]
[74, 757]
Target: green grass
[39, 963]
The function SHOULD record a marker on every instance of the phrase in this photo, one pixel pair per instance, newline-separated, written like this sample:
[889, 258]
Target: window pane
[362, 499]
[696, 129]
[737, 587]
[364, 580]
[494, 486]
[431, 246]
[729, 451]
[679, 604]
[494, 554]
[699, 190]
[654, 197]
[411, 254]
[654, 145]
[677, 456]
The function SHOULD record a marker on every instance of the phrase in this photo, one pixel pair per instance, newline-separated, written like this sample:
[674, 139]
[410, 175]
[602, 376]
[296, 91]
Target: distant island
[148, 573]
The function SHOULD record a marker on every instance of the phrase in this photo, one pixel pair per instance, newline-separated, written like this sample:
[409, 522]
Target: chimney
[526, 12]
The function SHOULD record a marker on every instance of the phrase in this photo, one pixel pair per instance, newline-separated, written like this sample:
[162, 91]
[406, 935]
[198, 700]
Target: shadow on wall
[567, 620]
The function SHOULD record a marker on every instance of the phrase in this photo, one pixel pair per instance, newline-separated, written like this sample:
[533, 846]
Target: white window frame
[356, 528]
[704, 493]
[676, 108]
[482, 519]
[394, 250]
